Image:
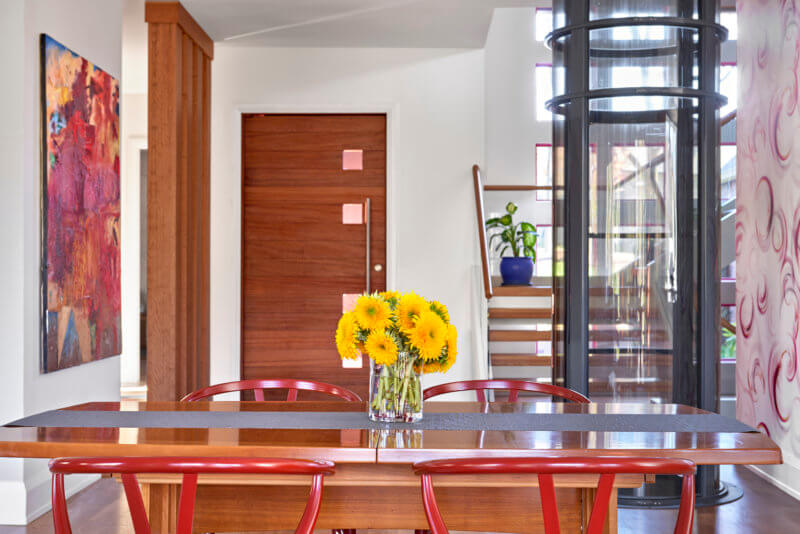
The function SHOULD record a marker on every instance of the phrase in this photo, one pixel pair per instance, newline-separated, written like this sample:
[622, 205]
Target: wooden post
[179, 107]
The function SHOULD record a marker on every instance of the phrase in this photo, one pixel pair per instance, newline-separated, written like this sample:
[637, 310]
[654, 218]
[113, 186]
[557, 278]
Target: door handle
[368, 227]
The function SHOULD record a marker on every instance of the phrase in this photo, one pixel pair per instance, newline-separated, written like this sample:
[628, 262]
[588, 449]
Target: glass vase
[395, 391]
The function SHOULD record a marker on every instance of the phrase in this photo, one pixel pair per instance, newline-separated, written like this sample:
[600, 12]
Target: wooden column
[179, 107]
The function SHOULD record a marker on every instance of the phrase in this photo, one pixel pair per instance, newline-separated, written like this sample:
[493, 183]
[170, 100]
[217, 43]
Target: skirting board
[12, 495]
[784, 477]
[39, 497]
[22, 505]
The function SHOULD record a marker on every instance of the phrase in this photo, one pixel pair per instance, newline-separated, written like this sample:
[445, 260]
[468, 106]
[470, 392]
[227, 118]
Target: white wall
[133, 138]
[513, 127]
[435, 100]
[12, 266]
[22, 389]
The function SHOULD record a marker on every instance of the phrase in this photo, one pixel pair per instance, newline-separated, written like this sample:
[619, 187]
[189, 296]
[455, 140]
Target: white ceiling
[350, 23]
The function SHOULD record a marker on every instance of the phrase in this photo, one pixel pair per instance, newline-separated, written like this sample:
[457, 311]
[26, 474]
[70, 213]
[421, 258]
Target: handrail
[658, 160]
[727, 325]
[727, 118]
[487, 279]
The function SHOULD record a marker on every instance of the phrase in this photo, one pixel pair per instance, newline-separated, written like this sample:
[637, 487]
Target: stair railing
[727, 118]
[727, 325]
[487, 279]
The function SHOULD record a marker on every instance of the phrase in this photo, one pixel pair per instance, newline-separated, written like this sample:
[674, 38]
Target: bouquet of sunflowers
[404, 335]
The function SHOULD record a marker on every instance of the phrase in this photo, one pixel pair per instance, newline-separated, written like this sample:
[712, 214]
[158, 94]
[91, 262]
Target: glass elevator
[636, 211]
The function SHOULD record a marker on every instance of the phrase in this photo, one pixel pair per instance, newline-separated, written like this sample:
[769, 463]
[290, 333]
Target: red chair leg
[309, 518]
[431, 508]
[600, 508]
[686, 510]
[135, 504]
[186, 505]
[60, 516]
[547, 493]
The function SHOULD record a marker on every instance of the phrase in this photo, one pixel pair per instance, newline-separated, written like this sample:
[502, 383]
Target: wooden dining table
[374, 486]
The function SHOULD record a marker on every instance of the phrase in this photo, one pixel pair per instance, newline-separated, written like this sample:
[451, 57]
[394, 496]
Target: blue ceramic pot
[516, 271]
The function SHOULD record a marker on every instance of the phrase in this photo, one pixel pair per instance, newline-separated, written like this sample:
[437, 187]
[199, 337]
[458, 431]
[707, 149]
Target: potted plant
[518, 239]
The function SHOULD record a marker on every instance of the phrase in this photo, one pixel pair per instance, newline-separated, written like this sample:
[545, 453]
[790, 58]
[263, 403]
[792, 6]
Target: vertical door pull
[368, 226]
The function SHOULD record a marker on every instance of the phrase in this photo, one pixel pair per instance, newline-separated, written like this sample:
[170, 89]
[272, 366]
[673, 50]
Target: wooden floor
[763, 509]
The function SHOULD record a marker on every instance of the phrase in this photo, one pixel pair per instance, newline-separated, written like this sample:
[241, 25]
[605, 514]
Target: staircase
[630, 338]
[520, 317]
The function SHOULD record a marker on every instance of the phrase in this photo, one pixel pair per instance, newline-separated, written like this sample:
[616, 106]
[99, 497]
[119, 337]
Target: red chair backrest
[258, 387]
[514, 387]
[189, 468]
[545, 468]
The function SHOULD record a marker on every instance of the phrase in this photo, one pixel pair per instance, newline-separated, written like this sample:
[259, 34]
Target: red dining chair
[514, 386]
[189, 467]
[258, 387]
[545, 468]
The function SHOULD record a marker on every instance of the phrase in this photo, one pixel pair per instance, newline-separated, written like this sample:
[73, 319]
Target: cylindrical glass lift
[636, 179]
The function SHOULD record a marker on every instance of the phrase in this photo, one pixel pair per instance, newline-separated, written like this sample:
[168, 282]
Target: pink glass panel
[358, 363]
[349, 301]
[352, 214]
[352, 160]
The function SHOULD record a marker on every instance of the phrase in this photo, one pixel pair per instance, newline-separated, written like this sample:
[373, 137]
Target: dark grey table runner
[358, 420]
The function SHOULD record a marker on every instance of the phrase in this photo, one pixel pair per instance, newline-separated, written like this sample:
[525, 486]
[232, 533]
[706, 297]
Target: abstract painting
[80, 210]
[768, 222]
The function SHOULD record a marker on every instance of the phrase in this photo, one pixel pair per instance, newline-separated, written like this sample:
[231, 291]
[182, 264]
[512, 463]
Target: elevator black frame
[696, 346]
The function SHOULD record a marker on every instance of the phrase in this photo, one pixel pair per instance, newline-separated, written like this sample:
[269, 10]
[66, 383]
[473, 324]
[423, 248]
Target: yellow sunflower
[440, 310]
[381, 348]
[409, 307]
[373, 313]
[429, 335]
[432, 367]
[452, 351]
[346, 337]
[389, 295]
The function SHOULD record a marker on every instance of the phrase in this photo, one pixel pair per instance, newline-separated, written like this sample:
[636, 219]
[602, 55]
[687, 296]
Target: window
[727, 156]
[544, 171]
[544, 90]
[728, 82]
[544, 250]
[544, 22]
[729, 19]
[638, 76]
[638, 33]
[629, 76]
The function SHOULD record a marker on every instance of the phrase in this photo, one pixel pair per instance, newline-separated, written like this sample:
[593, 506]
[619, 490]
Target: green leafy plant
[520, 238]
[728, 346]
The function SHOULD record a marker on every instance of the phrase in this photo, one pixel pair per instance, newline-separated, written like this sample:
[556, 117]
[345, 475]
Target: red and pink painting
[768, 221]
[80, 210]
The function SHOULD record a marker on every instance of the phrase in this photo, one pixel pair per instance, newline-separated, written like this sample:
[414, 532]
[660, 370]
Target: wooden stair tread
[519, 335]
[610, 360]
[522, 291]
[497, 187]
[660, 386]
[516, 360]
[520, 313]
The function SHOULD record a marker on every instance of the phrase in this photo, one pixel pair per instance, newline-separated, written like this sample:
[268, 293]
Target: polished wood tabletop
[369, 446]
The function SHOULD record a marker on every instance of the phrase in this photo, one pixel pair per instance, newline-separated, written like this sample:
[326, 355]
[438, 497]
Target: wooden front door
[306, 182]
